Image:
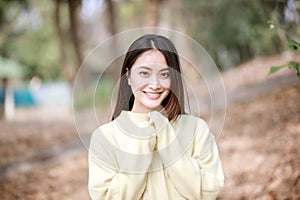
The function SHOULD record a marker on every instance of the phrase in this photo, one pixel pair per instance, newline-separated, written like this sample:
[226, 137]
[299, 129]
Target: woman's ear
[128, 80]
[127, 75]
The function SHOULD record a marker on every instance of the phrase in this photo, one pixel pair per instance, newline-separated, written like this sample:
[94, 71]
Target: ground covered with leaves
[260, 148]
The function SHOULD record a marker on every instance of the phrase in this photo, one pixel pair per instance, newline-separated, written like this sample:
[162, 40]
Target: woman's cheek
[166, 84]
[136, 85]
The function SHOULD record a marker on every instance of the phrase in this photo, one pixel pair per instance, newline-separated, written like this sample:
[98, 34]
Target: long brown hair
[174, 102]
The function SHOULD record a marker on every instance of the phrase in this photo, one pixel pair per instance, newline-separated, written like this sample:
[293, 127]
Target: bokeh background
[43, 44]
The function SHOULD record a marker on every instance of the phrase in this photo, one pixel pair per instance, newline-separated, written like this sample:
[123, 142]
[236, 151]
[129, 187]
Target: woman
[151, 149]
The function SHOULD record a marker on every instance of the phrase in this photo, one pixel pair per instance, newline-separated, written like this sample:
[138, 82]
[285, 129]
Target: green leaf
[276, 68]
[293, 45]
[296, 66]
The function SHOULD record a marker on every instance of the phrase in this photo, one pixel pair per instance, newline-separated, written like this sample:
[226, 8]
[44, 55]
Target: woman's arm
[117, 174]
[196, 173]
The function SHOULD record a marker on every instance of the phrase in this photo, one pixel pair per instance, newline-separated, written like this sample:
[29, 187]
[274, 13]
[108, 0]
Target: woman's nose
[154, 83]
[154, 86]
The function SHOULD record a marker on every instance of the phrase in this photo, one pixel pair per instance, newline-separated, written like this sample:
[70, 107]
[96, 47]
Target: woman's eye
[165, 75]
[143, 73]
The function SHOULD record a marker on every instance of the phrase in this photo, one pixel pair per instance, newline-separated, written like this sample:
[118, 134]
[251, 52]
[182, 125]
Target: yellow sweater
[132, 158]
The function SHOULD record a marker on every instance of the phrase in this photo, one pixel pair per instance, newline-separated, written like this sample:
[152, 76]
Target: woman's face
[150, 81]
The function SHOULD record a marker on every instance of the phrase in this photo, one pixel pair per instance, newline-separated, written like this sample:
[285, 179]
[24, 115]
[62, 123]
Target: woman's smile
[153, 95]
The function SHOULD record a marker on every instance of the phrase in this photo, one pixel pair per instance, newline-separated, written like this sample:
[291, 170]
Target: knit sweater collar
[134, 117]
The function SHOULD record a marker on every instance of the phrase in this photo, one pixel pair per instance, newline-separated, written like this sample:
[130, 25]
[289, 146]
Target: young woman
[151, 149]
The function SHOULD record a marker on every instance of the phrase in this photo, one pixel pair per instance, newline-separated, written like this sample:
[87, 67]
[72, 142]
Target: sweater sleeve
[106, 183]
[114, 174]
[197, 173]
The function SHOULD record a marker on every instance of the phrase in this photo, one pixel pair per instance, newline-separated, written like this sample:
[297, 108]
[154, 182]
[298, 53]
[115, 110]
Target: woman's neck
[147, 110]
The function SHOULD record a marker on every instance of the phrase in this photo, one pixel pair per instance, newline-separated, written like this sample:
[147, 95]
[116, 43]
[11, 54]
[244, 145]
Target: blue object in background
[1, 95]
[22, 97]
[49, 94]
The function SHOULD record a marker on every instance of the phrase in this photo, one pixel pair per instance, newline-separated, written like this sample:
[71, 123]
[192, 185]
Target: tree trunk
[112, 29]
[111, 17]
[74, 31]
[66, 71]
[74, 27]
[152, 13]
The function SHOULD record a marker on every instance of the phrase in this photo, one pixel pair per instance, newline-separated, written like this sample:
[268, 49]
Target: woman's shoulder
[185, 118]
[193, 123]
[104, 128]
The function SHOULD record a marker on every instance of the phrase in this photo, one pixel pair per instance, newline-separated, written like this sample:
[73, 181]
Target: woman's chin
[154, 105]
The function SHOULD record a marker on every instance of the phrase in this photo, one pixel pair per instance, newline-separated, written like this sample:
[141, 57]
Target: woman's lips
[152, 95]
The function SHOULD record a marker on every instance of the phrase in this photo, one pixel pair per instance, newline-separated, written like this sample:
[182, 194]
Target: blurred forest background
[43, 43]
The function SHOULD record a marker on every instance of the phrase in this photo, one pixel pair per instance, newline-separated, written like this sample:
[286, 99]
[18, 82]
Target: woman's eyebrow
[145, 67]
[149, 68]
[165, 69]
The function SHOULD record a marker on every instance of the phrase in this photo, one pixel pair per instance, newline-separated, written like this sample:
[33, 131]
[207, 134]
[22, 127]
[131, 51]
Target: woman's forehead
[151, 57]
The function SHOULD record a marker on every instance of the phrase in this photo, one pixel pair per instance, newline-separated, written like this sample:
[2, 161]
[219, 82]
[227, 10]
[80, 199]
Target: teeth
[152, 95]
